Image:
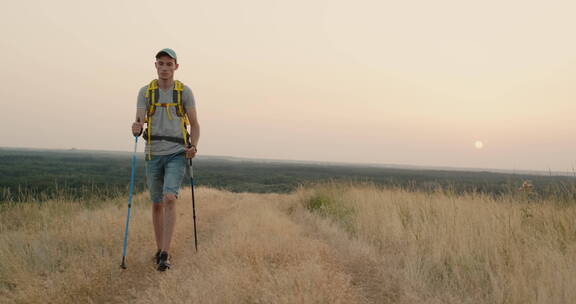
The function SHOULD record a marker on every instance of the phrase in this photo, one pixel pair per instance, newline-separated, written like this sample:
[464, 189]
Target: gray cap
[167, 51]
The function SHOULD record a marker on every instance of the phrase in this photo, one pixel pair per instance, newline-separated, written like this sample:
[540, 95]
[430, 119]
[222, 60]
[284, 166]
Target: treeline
[250, 176]
[38, 175]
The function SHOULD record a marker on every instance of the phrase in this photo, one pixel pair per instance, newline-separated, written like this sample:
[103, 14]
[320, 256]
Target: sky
[380, 82]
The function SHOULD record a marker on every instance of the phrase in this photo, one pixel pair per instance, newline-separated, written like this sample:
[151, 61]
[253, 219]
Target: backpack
[152, 94]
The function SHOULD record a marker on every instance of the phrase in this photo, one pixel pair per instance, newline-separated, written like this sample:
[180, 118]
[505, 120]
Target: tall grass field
[325, 243]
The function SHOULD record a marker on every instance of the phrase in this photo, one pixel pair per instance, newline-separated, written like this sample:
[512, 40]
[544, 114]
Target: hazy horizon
[568, 173]
[445, 84]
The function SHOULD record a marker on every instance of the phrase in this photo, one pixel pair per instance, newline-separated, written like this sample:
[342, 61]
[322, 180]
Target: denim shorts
[164, 174]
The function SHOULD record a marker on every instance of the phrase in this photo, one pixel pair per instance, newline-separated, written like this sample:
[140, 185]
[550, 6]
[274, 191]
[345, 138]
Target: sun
[478, 145]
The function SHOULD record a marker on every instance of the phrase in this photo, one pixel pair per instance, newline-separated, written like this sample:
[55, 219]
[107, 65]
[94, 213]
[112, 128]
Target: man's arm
[194, 126]
[138, 124]
[194, 131]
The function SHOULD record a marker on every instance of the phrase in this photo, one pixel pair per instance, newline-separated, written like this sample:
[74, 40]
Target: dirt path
[367, 270]
[141, 274]
[251, 252]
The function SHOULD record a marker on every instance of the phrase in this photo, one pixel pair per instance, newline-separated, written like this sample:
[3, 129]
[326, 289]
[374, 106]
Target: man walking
[168, 108]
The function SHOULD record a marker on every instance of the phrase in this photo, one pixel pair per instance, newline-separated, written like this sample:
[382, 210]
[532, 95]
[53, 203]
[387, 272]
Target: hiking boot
[164, 263]
[156, 257]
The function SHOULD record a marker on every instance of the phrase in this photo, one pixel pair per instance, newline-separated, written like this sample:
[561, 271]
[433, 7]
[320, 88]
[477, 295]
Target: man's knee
[157, 207]
[169, 199]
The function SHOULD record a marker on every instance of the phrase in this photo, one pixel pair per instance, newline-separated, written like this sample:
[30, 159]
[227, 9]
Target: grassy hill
[327, 243]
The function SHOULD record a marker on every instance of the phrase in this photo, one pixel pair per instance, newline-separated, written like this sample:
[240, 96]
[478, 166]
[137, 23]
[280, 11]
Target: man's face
[166, 65]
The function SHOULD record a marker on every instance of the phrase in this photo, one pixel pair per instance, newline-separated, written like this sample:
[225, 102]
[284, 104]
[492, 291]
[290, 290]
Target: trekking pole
[190, 172]
[123, 265]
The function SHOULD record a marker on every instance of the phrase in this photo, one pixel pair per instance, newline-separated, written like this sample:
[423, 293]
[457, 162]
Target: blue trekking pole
[123, 265]
[193, 203]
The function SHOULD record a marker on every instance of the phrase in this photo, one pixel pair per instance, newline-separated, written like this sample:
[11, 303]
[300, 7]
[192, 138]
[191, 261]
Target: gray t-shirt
[162, 123]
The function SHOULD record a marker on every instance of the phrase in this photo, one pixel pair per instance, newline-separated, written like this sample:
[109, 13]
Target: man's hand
[190, 151]
[137, 128]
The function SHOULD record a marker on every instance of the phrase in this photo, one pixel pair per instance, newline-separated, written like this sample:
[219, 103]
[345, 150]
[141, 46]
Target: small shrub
[333, 208]
[318, 203]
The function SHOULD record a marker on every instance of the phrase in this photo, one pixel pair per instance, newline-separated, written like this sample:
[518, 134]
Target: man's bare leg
[158, 220]
[169, 220]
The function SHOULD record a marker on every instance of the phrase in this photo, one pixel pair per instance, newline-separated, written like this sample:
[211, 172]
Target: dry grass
[442, 248]
[325, 244]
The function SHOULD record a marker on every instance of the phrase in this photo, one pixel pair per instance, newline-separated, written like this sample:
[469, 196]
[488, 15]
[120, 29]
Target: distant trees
[33, 175]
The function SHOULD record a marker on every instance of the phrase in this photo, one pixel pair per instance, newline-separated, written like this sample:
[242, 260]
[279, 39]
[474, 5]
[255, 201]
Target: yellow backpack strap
[177, 98]
[152, 96]
[185, 134]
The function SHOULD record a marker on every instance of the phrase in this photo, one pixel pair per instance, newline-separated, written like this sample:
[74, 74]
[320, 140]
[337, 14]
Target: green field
[38, 175]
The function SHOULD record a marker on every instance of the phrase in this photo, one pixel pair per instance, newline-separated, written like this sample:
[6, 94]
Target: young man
[168, 107]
